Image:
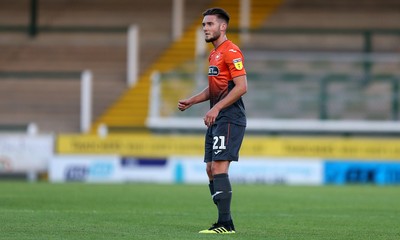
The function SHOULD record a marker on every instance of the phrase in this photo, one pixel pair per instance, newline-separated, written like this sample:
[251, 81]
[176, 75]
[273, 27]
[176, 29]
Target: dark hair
[219, 12]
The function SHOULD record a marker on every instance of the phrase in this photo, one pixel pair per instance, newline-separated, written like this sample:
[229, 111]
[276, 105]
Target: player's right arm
[198, 98]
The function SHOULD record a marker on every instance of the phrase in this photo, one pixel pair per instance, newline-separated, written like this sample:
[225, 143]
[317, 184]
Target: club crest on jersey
[213, 71]
[238, 63]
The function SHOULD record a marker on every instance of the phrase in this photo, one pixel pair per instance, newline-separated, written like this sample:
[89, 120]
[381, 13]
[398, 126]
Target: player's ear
[223, 26]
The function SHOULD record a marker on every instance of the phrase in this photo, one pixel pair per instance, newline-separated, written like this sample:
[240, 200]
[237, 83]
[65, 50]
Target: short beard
[214, 38]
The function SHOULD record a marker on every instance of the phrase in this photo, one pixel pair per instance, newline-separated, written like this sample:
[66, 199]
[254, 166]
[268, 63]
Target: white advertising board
[254, 170]
[25, 153]
[102, 168]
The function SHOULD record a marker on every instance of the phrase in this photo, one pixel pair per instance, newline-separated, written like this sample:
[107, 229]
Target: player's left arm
[237, 91]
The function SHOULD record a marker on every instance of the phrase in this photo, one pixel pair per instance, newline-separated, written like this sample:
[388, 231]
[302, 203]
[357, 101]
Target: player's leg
[210, 167]
[226, 143]
[223, 190]
[222, 198]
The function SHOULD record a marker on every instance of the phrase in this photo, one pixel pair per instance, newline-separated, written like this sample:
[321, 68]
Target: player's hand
[184, 104]
[210, 117]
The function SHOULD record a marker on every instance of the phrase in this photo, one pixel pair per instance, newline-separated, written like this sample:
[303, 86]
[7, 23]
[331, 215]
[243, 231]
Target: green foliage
[162, 211]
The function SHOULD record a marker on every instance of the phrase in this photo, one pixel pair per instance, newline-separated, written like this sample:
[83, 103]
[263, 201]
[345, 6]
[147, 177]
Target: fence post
[133, 55]
[395, 99]
[323, 98]
[177, 18]
[201, 45]
[200, 53]
[86, 100]
[155, 95]
[367, 65]
[33, 18]
[244, 15]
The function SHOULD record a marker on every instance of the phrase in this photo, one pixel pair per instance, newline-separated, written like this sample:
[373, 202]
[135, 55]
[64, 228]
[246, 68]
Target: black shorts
[223, 142]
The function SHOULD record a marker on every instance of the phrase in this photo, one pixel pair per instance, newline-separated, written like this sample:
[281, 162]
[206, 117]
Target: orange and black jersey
[226, 63]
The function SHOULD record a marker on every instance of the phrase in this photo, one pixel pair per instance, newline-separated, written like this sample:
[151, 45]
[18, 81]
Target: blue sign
[95, 170]
[380, 173]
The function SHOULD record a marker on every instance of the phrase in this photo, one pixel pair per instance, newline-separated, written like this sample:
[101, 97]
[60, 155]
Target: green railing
[315, 94]
[330, 79]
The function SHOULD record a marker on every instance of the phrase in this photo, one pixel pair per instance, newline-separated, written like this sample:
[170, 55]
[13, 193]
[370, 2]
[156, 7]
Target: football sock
[223, 196]
[211, 187]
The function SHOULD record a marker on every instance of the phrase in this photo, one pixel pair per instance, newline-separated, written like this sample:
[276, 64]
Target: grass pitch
[157, 211]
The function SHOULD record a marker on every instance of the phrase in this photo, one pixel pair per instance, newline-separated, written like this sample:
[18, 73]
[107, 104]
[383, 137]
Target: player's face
[211, 28]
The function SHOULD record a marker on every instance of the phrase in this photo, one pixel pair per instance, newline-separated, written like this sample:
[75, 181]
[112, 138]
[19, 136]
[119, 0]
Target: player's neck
[219, 41]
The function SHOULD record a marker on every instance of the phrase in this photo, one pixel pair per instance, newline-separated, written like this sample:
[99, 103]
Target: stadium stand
[64, 46]
[333, 15]
[68, 41]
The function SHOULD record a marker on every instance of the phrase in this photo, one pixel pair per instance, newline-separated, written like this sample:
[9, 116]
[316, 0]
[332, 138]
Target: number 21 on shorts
[219, 143]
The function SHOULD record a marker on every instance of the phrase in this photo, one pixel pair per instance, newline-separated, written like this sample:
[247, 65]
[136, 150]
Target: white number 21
[219, 142]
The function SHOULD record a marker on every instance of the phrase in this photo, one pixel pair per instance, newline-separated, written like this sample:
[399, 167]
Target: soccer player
[226, 119]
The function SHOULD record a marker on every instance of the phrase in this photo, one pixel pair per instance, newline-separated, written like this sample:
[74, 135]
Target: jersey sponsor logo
[238, 63]
[213, 71]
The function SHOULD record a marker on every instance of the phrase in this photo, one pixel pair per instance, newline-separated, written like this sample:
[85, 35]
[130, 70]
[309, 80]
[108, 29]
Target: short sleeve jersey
[225, 63]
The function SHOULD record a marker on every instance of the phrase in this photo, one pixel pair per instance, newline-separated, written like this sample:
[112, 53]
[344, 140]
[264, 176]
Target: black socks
[222, 196]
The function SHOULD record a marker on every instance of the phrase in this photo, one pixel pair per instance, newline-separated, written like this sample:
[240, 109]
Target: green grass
[156, 211]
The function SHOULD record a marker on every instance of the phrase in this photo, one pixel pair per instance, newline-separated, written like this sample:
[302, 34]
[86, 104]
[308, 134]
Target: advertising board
[360, 172]
[84, 168]
[182, 169]
[21, 153]
[259, 146]
[288, 171]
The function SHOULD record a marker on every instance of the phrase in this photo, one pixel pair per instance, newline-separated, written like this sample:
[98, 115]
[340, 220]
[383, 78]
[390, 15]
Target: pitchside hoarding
[25, 153]
[361, 172]
[253, 170]
[110, 169]
[260, 146]
[85, 168]
[288, 171]
[182, 169]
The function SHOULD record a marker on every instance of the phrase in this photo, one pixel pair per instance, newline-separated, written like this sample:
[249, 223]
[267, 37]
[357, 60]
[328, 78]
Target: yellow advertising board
[193, 145]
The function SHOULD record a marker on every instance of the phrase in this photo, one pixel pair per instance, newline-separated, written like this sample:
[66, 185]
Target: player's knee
[220, 167]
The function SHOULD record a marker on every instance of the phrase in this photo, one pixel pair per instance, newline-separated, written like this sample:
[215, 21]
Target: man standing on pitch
[226, 119]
